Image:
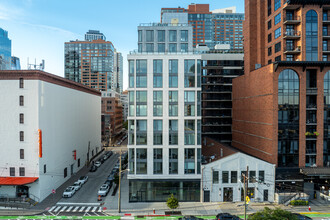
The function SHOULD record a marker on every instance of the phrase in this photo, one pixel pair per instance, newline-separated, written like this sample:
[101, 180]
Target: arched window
[326, 138]
[311, 36]
[288, 119]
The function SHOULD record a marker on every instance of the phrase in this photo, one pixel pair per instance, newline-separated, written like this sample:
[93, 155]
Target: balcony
[292, 34]
[311, 91]
[326, 49]
[292, 50]
[326, 21]
[292, 20]
[311, 107]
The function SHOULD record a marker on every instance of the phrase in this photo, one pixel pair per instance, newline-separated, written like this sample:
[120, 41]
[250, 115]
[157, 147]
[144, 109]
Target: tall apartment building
[281, 105]
[164, 121]
[118, 69]
[220, 26]
[5, 50]
[94, 35]
[124, 102]
[220, 67]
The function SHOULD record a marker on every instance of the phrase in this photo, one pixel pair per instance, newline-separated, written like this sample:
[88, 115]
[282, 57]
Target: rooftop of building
[157, 24]
[98, 41]
[46, 77]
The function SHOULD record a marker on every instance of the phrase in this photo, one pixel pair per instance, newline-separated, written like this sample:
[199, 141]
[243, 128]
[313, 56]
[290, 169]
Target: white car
[97, 164]
[103, 191]
[69, 192]
[83, 179]
[77, 185]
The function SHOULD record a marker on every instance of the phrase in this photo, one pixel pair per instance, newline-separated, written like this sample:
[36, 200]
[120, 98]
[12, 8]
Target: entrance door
[265, 195]
[206, 196]
[22, 191]
[71, 169]
[228, 194]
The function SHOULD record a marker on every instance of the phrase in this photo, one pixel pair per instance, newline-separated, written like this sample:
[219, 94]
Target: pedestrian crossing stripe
[75, 209]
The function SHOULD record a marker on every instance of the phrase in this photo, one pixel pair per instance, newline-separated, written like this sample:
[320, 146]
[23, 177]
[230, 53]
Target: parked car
[77, 185]
[103, 191]
[190, 217]
[109, 183]
[109, 153]
[105, 157]
[116, 166]
[93, 168]
[97, 164]
[69, 192]
[227, 216]
[302, 217]
[83, 179]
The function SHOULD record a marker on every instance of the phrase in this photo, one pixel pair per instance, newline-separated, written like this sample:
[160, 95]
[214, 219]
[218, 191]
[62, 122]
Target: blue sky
[39, 28]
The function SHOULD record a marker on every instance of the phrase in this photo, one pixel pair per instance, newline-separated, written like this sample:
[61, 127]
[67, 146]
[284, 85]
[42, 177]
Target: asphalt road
[88, 192]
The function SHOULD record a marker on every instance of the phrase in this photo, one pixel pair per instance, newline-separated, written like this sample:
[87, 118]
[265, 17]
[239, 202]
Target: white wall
[238, 162]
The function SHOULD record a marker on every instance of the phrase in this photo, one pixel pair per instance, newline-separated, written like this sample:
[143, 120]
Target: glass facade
[288, 119]
[158, 73]
[189, 132]
[141, 103]
[189, 103]
[173, 132]
[189, 161]
[189, 73]
[5, 50]
[158, 132]
[173, 73]
[141, 161]
[311, 36]
[173, 103]
[141, 132]
[158, 103]
[158, 161]
[141, 73]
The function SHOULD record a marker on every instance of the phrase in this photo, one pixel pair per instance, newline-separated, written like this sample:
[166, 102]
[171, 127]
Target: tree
[125, 125]
[273, 214]
[116, 180]
[172, 202]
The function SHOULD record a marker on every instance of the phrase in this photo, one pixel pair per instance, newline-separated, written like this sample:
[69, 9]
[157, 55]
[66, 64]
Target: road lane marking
[88, 208]
[69, 209]
[100, 209]
[52, 208]
[63, 208]
[75, 209]
[58, 208]
[82, 208]
[94, 208]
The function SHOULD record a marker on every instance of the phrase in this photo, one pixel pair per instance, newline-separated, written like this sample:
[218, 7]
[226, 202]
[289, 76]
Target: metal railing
[292, 18]
[164, 24]
[292, 33]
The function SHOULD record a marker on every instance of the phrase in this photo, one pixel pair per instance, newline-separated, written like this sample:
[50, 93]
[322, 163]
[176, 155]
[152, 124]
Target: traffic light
[40, 142]
[75, 155]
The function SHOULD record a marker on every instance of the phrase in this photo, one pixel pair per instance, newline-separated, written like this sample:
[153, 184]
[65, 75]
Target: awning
[16, 181]
[315, 171]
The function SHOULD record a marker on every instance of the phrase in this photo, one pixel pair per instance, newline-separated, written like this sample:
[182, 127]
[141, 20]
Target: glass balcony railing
[292, 33]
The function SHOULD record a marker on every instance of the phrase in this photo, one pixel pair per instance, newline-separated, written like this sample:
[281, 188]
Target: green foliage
[298, 202]
[125, 124]
[273, 214]
[172, 202]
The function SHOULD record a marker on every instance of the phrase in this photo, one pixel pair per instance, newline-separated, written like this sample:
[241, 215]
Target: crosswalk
[56, 209]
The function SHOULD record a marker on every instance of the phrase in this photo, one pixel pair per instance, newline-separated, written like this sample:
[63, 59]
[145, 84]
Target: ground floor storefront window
[159, 191]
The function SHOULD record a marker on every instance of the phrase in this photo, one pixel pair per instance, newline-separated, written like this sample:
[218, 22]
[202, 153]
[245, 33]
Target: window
[139, 47]
[21, 83]
[173, 66]
[172, 36]
[158, 103]
[277, 19]
[149, 36]
[184, 36]
[277, 47]
[21, 135]
[141, 73]
[141, 161]
[65, 172]
[311, 36]
[161, 36]
[278, 58]
[172, 48]
[278, 33]
[199, 133]
[21, 171]
[325, 58]
[149, 47]
[261, 176]
[173, 132]
[161, 48]
[189, 161]
[141, 103]
[225, 176]
[215, 177]
[189, 132]
[12, 171]
[131, 108]
[289, 57]
[141, 132]
[131, 73]
[173, 73]
[173, 161]
[140, 36]
[277, 4]
[269, 51]
[189, 103]
[252, 176]
[269, 37]
[131, 157]
[233, 176]
[189, 73]
[21, 154]
[184, 47]
[158, 132]
[269, 6]
[141, 66]
[269, 61]
[45, 168]
[21, 118]
[325, 31]
[21, 100]
[158, 161]
[173, 103]
[79, 162]
[158, 71]
[325, 45]
[269, 24]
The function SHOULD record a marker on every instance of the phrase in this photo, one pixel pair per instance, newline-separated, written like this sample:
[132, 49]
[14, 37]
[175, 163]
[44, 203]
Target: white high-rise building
[164, 120]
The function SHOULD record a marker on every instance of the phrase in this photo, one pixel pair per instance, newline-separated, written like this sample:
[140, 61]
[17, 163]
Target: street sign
[247, 199]
[53, 191]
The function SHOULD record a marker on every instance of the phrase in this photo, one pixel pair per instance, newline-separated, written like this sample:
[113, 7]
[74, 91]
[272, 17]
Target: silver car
[103, 191]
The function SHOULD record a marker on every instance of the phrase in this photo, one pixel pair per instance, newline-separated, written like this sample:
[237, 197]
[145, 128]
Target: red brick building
[281, 105]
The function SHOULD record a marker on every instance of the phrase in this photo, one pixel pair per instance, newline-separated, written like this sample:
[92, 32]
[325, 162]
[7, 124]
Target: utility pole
[246, 182]
[119, 202]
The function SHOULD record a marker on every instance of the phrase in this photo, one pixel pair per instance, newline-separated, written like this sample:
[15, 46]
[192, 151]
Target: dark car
[190, 217]
[93, 168]
[302, 217]
[109, 183]
[101, 160]
[227, 216]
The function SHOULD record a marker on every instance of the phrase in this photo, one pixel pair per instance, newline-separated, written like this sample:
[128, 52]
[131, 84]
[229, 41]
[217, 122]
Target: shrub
[298, 202]
[172, 202]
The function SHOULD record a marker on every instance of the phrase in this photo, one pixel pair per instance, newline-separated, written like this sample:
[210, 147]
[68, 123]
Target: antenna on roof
[34, 66]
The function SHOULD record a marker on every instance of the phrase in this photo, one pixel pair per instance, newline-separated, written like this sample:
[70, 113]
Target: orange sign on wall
[40, 142]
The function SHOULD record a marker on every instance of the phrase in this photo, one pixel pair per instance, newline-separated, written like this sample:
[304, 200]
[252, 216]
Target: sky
[39, 28]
